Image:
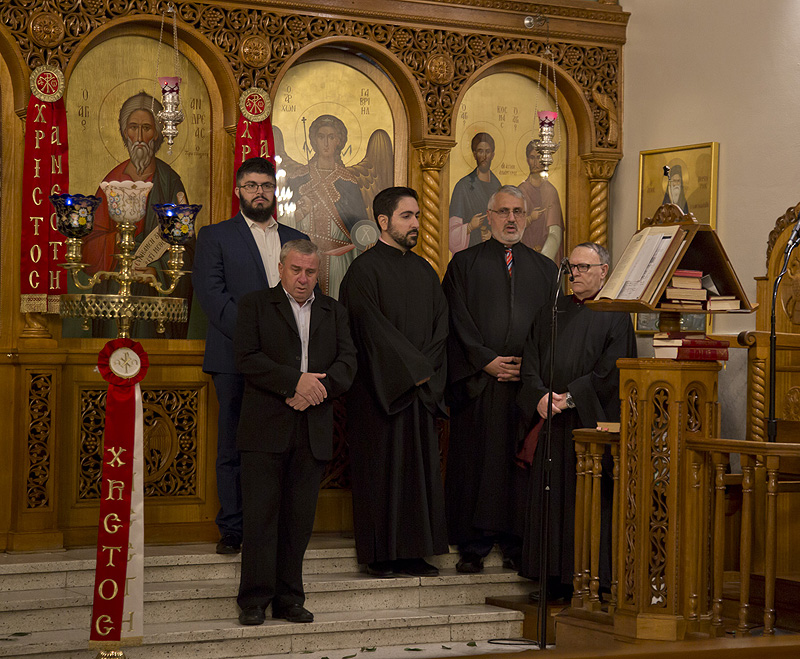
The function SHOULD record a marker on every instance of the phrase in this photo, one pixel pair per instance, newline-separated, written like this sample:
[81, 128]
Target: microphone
[567, 267]
[794, 237]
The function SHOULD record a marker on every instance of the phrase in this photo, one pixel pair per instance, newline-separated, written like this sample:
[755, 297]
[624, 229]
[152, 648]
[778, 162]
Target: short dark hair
[386, 201]
[256, 165]
[301, 245]
[482, 137]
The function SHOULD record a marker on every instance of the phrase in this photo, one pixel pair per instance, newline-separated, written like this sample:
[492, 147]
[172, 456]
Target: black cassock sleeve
[390, 362]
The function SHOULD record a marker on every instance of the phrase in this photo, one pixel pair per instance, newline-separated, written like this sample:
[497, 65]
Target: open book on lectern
[643, 277]
[648, 260]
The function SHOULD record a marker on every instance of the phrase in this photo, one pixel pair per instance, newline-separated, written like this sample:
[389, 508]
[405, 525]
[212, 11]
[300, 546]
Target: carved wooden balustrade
[704, 482]
[590, 446]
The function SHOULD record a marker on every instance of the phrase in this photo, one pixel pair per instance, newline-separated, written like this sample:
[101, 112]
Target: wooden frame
[698, 165]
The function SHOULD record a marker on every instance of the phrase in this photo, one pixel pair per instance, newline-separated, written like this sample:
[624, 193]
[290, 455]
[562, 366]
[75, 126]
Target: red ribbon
[253, 138]
[115, 500]
[45, 172]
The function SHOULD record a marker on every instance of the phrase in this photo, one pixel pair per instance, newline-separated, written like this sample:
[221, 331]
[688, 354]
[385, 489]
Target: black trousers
[279, 499]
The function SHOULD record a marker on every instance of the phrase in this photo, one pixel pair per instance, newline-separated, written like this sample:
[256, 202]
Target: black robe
[588, 345]
[398, 317]
[490, 315]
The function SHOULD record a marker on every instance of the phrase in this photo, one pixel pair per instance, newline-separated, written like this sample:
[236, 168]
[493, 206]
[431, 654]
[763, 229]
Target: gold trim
[250, 106]
[47, 75]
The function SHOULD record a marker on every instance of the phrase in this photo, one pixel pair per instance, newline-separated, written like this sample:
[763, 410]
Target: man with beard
[494, 290]
[468, 222]
[141, 135]
[233, 258]
[398, 317]
[674, 193]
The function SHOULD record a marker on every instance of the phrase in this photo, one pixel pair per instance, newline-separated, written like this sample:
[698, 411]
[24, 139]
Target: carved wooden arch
[789, 218]
[392, 66]
[205, 56]
[568, 90]
[12, 57]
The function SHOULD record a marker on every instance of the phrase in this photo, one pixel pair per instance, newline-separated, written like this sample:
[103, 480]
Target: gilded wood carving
[40, 431]
[258, 43]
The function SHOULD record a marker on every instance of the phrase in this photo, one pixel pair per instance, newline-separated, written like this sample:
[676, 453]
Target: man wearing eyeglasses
[585, 391]
[494, 290]
[233, 258]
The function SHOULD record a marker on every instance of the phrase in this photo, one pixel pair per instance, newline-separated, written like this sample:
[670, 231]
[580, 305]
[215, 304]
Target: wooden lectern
[662, 577]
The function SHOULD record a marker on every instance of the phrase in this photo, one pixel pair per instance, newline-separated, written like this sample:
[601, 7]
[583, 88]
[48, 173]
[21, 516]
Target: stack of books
[687, 346]
[685, 291]
[691, 290]
[723, 303]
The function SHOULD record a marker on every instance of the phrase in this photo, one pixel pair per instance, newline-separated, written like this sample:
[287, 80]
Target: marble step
[74, 568]
[214, 599]
[221, 638]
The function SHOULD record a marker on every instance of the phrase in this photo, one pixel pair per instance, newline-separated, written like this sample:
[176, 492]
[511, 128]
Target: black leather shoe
[469, 564]
[229, 544]
[416, 567]
[381, 569]
[293, 613]
[252, 615]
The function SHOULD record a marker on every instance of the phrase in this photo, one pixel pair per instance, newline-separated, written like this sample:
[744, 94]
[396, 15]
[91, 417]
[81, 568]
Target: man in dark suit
[293, 348]
[233, 258]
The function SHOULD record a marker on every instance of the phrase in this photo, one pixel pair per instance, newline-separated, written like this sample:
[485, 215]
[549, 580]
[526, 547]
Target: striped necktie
[509, 261]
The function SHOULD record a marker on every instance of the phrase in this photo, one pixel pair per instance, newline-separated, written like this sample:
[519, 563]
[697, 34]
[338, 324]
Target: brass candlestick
[127, 204]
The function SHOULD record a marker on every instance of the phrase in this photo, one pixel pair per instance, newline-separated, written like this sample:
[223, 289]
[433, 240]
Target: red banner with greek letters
[119, 573]
[253, 133]
[45, 172]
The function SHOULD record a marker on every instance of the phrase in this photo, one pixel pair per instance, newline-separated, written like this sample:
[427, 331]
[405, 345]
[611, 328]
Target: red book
[687, 273]
[691, 354]
[690, 343]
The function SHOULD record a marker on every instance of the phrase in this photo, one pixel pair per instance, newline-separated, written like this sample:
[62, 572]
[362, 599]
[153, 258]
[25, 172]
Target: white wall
[724, 71]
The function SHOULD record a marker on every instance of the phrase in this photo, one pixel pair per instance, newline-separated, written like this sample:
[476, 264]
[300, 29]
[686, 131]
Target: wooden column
[433, 232]
[599, 170]
[664, 404]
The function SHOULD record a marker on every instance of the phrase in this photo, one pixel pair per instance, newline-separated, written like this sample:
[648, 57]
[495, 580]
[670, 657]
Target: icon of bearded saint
[332, 201]
[141, 135]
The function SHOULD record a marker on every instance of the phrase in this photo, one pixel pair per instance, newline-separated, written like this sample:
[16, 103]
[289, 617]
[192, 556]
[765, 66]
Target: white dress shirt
[269, 246]
[302, 316]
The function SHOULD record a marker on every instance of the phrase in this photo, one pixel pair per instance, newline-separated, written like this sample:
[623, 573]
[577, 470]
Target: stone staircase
[190, 608]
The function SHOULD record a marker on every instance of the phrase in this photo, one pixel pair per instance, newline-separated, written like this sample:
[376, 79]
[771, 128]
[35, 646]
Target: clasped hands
[309, 391]
[504, 369]
[559, 404]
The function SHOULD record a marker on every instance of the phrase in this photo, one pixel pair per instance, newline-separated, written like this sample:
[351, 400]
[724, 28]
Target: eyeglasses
[505, 213]
[583, 267]
[251, 187]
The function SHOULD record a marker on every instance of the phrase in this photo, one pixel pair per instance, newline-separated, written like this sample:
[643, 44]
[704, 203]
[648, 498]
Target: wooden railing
[704, 479]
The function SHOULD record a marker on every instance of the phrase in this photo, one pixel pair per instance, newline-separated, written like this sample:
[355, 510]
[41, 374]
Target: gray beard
[142, 154]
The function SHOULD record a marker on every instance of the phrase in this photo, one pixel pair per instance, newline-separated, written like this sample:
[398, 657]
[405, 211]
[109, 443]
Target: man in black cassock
[494, 290]
[585, 391]
[398, 318]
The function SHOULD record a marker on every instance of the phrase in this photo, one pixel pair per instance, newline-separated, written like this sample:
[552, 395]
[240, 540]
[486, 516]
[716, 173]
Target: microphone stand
[544, 484]
[772, 422]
